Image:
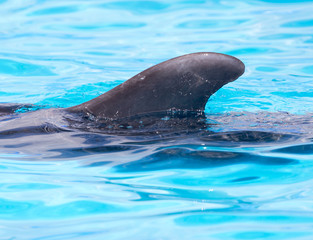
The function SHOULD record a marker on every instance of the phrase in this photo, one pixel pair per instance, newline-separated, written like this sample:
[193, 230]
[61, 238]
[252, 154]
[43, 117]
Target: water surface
[62, 53]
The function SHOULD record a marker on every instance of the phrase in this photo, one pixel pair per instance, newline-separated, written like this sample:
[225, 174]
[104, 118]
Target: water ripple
[256, 182]
[14, 68]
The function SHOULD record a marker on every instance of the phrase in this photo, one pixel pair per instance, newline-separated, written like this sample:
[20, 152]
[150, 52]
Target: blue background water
[61, 53]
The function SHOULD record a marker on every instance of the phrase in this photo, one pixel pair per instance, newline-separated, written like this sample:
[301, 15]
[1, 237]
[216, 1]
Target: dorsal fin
[183, 83]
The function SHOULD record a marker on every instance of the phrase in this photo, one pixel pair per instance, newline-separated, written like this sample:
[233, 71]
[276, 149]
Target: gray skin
[181, 83]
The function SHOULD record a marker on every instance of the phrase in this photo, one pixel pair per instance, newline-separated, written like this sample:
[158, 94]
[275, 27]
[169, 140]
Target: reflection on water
[248, 175]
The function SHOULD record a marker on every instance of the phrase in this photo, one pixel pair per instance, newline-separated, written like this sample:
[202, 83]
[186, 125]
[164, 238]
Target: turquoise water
[62, 53]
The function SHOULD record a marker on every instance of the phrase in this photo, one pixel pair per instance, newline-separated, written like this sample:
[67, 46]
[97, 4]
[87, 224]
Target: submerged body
[57, 134]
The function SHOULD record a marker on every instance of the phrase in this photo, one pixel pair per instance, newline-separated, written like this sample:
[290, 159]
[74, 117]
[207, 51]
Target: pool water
[62, 53]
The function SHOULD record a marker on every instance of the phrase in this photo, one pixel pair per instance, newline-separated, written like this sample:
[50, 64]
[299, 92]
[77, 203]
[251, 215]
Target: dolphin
[180, 86]
[164, 101]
